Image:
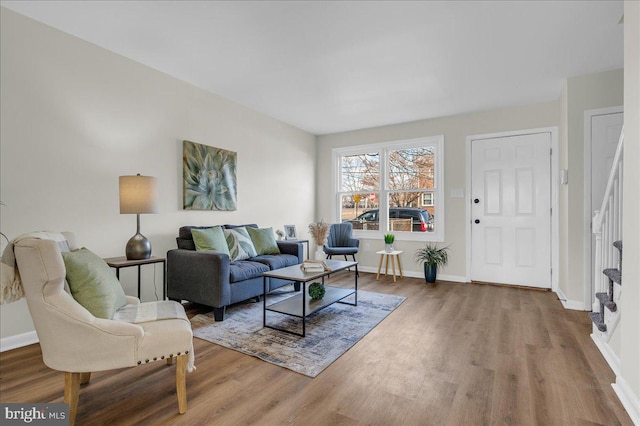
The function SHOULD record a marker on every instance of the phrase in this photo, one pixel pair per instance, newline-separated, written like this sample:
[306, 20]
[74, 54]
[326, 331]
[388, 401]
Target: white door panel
[511, 222]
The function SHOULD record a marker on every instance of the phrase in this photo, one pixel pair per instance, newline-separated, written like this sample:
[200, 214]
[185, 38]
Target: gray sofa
[211, 279]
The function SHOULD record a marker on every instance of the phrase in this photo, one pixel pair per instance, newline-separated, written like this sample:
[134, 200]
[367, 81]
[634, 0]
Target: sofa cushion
[210, 239]
[278, 261]
[185, 238]
[93, 284]
[245, 270]
[239, 243]
[264, 240]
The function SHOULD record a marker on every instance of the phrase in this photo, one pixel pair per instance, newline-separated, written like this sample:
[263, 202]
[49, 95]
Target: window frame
[423, 204]
[383, 149]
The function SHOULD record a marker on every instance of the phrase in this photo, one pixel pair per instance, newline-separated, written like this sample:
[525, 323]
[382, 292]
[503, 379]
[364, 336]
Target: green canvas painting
[209, 176]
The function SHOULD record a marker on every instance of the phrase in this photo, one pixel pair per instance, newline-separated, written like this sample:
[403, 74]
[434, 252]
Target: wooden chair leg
[181, 383]
[170, 360]
[84, 378]
[71, 394]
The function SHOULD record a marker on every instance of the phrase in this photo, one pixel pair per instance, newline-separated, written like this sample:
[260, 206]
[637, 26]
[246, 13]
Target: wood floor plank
[452, 353]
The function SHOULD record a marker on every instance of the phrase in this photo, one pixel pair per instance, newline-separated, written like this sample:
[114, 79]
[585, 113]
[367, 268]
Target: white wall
[455, 130]
[582, 93]
[75, 117]
[628, 382]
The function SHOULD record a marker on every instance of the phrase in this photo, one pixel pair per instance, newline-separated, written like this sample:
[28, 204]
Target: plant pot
[430, 272]
[388, 248]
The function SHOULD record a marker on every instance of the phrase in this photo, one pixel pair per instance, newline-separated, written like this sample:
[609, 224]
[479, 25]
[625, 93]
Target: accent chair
[340, 241]
[76, 342]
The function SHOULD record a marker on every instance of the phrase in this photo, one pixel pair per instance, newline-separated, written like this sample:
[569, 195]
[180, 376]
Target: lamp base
[138, 248]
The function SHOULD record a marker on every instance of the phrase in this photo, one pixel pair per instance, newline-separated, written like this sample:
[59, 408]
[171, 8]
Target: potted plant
[432, 258]
[388, 242]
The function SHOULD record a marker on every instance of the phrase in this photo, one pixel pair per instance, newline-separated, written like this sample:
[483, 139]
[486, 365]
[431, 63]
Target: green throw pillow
[93, 284]
[264, 240]
[239, 243]
[210, 239]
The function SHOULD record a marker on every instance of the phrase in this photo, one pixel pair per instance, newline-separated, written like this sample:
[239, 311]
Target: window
[427, 199]
[392, 187]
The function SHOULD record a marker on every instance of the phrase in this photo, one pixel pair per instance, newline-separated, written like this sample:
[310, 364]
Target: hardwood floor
[451, 354]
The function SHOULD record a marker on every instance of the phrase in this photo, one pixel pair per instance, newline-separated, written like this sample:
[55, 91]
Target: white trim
[555, 218]
[18, 341]
[574, 305]
[609, 355]
[415, 274]
[589, 294]
[628, 398]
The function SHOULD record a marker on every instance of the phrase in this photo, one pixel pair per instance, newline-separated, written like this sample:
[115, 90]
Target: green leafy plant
[432, 255]
[316, 290]
[389, 238]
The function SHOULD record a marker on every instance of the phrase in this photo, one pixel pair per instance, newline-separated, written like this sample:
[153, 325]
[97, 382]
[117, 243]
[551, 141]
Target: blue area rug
[330, 332]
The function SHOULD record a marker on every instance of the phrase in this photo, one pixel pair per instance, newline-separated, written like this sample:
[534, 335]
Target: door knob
[477, 221]
[476, 201]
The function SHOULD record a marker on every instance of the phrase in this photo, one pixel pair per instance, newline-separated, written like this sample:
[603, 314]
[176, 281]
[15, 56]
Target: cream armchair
[74, 341]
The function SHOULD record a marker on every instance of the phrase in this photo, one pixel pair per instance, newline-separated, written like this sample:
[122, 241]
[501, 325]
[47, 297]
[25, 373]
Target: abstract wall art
[209, 176]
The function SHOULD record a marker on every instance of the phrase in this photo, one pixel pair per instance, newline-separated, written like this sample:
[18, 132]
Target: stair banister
[607, 229]
[617, 163]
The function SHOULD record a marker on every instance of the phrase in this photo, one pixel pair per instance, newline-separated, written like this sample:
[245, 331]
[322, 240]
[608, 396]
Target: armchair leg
[84, 378]
[71, 394]
[181, 383]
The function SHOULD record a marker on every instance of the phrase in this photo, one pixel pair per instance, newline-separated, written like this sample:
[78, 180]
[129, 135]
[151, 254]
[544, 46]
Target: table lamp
[138, 194]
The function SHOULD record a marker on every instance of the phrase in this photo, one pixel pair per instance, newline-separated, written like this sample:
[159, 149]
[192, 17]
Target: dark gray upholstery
[245, 270]
[276, 261]
[211, 279]
[341, 242]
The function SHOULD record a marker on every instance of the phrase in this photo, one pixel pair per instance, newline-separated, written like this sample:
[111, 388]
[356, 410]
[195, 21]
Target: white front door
[511, 210]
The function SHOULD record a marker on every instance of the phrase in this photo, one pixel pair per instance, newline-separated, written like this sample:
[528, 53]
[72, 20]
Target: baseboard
[628, 398]
[18, 341]
[414, 274]
[609, 355]
[574, 305]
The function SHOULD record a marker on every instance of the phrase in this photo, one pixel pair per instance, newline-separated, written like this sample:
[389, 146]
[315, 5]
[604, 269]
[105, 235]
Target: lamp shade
[138, 194]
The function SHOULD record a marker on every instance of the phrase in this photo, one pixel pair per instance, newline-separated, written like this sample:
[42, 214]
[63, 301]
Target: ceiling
[329, 66]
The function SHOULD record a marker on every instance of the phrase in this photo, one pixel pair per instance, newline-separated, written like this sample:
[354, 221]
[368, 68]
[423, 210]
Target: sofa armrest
[291, 247]
[354, 242]
[198, 276]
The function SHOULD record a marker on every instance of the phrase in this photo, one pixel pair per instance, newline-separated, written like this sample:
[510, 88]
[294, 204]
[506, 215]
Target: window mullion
[384, 190]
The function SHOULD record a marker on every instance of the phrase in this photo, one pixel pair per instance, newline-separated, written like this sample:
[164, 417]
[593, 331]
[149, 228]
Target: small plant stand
[395, 256]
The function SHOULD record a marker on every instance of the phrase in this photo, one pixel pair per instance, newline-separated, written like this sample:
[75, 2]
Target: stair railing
[607, 223]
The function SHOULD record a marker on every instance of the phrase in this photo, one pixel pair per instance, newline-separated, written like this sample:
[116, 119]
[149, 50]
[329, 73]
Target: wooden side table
[122, 262]
[394, 255]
